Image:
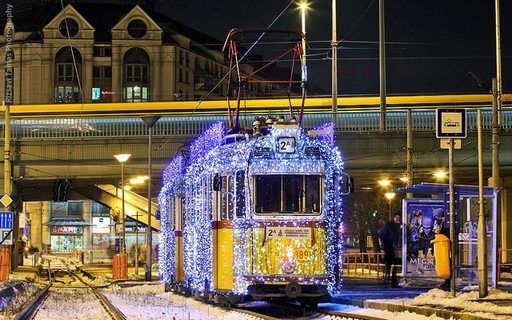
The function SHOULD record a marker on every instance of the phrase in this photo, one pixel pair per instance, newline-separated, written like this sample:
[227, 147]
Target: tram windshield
[288, 194]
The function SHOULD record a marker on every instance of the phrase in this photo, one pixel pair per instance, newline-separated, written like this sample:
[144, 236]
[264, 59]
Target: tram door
[224, 208]
[178, 230]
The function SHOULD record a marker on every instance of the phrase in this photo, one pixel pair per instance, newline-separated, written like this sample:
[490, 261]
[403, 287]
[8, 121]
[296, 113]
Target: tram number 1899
[302, 254]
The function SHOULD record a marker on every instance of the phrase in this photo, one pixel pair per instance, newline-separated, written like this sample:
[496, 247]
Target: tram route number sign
[286, 145]
[288, 233]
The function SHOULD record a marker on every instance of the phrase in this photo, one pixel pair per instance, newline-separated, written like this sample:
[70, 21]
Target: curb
[425, 311]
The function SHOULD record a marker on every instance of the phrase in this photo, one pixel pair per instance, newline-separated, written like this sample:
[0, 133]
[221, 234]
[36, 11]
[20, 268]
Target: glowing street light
[122, 158]
[404, 179]
[384, 182]
[440, 174]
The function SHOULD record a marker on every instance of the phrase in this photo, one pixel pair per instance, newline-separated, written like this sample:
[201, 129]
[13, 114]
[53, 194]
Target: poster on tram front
[422, 219]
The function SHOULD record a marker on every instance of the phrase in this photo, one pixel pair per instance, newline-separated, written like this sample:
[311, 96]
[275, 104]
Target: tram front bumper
[292, 290]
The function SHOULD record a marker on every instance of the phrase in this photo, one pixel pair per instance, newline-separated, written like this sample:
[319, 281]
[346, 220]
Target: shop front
[65, 239]
[67, 234]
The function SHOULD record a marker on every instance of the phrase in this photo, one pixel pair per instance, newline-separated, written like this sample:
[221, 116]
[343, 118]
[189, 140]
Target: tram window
[227, 198]
[292, 193]
[312, 194]
[240, 194]
[287, 193]
[268, 193]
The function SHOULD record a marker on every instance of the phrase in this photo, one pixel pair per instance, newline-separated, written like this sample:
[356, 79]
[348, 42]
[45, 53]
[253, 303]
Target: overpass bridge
[73, 146]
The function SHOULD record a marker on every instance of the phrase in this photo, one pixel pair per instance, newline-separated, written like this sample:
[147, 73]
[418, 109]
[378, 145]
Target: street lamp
[384, 182]
[150, 121]
[440, 174]
[122, 158]
[390, 196]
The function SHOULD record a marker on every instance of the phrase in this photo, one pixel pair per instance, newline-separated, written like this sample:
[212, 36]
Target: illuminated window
[102, 83]
[68, 65]
[136, 75]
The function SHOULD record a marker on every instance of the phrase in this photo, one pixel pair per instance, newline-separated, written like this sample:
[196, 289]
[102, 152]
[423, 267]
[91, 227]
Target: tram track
[274, 311]
[73, 297]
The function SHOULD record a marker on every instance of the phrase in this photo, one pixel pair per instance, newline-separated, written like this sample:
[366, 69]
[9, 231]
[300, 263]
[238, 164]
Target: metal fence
[104, 127]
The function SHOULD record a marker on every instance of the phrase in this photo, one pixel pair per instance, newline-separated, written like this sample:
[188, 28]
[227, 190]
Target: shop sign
[65, 230]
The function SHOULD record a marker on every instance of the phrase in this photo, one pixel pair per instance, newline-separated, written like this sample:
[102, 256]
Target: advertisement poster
[422, 219]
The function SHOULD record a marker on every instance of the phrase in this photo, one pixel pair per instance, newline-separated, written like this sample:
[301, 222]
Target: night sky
[431, 45]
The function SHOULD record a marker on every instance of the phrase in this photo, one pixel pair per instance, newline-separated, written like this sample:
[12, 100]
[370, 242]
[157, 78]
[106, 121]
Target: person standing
[390, 236]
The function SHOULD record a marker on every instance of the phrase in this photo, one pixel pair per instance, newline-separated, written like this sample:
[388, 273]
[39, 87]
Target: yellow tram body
[245, 218]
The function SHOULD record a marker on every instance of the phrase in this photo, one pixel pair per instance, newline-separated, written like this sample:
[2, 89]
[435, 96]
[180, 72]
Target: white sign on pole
[445, 143]
[22, 220]
[6, 235]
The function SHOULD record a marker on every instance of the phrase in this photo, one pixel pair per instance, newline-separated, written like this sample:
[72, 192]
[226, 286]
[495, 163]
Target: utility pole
[334, 72]
[495, 136]
[150, 121]
[498, 60]
[382, 66]
[451, 182]
[482, 237]
[409, 151]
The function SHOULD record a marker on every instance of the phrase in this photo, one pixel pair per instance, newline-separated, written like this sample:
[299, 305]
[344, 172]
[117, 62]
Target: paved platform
[373, 293]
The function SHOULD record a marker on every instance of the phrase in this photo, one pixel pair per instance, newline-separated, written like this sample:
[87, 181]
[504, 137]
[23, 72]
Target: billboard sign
[422, 219]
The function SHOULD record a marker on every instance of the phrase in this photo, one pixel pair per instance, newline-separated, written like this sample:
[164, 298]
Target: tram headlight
[288, 266]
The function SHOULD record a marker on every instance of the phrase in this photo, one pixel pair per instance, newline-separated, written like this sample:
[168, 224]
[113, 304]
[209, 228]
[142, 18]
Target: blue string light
[193, 183]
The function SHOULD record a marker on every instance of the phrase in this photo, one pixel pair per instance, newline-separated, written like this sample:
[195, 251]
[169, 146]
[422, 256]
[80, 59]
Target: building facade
[85, 226]
[106, 52]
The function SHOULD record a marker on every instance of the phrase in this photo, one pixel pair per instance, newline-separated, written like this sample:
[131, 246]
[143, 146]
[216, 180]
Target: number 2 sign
[286, 145]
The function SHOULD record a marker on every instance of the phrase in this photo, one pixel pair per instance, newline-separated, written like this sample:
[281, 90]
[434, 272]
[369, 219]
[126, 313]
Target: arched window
[67, 88]
[136, 75]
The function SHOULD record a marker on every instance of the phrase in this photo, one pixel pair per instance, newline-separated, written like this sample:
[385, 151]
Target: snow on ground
[68, 303]
[150, 302]
[375, 313]
[466, 301]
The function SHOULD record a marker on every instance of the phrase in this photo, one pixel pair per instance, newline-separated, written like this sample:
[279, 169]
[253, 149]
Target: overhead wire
[230, 70]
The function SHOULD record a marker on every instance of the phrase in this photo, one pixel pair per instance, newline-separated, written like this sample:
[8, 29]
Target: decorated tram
[258, 215]
[255, 212]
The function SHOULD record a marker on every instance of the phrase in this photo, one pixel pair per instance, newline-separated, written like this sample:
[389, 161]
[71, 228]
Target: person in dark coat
[390, 236]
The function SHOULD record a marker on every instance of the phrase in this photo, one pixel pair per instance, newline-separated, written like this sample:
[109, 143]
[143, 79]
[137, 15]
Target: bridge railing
[357, 121]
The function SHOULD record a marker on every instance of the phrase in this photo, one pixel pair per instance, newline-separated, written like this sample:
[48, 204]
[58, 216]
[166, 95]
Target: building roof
[102, 16]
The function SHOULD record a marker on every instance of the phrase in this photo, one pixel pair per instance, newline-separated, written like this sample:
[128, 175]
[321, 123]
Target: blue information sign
[5, 219]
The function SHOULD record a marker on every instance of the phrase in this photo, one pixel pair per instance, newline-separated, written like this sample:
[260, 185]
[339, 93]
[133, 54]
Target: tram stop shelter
[423, 217]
